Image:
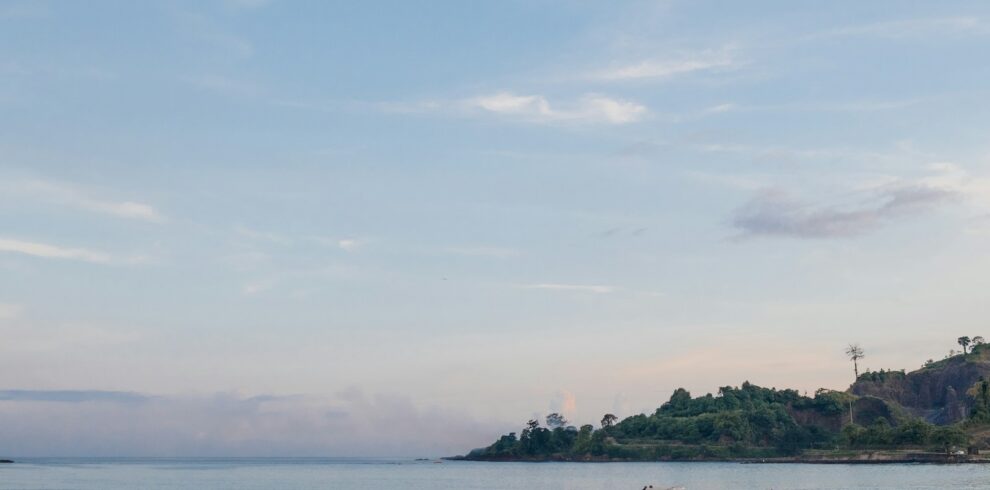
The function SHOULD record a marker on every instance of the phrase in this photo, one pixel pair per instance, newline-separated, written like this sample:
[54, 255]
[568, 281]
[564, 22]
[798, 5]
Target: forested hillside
[941, 408]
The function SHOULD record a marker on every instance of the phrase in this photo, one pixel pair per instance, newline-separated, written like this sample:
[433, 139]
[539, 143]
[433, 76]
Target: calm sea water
[305, 474]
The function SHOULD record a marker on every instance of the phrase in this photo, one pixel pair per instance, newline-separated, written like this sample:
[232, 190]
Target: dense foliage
[881, 376]
[748, 421]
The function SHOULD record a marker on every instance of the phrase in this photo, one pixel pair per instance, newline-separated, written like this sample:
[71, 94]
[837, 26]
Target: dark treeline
[748, 421]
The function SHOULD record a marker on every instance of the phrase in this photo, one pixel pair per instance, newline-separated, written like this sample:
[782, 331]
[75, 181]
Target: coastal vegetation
[937, 412]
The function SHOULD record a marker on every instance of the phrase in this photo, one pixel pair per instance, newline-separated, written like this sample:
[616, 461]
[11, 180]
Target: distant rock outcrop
[936, 392]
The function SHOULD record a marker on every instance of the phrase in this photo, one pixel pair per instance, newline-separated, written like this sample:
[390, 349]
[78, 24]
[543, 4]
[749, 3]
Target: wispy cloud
[620, 231]
[259, 235]
[210, 32]
[777, 213]
[590, 108]
[349, 244]
[222, 85]
[662, 69]
[47, 251]
[484, 251]
[975, 188]
[71, 195]
[839, 106]
[587, 288]
[256, 287]
[905, 28]
[72, 396]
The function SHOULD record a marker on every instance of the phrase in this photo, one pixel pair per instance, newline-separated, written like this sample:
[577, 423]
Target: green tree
[681, 404]
[914, 432]
[980, 392]
[582, 443]
[947, 437]
[730, 426]
[506, 445]
[854, 352]
[879, 433]
[964, 341]
[853, 435]
[794, 439]
[598, 442]
[609, 420]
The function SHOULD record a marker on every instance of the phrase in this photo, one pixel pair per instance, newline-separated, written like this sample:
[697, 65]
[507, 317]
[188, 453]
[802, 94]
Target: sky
[252, 227]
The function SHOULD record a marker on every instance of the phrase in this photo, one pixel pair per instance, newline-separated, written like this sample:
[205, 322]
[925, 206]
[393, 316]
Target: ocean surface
[367, 474]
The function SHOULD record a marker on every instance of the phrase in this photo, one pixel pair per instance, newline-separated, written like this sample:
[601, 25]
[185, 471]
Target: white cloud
[587, 288]
[843, 106]
[75, 196]
[47, 251]
[952, 177]
[345, 244]
[508, 103]
[256, 287]
[662, 69]
[483, 251]
[224, 85]
[613, 111]
[265, 236]
[590, 108]
[349, 244]
[718, 109]
[126, 209]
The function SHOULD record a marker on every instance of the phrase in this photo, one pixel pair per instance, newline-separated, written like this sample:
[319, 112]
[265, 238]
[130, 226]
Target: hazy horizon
[253, 227]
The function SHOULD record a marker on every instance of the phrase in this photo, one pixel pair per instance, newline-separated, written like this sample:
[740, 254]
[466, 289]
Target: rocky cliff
[936, 392]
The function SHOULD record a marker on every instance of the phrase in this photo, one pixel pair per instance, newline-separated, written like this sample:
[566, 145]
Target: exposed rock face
[868, 409]
[830, 423]
[937, 393]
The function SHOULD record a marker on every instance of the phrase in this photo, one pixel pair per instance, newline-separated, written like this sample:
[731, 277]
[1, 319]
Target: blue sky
[480, 210]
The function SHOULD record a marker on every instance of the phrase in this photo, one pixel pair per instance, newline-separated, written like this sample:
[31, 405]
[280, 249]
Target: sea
[384, 474]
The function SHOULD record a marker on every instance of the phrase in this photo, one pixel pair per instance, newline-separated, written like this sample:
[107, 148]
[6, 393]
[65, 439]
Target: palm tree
[855, 353]
[964, 341]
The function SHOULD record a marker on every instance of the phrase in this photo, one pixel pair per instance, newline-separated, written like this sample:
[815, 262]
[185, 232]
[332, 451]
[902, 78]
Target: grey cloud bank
[776, 213]
[112, 423]
[71, 396]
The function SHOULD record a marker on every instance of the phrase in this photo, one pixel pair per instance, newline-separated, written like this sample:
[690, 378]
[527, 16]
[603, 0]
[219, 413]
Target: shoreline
[860, 459]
